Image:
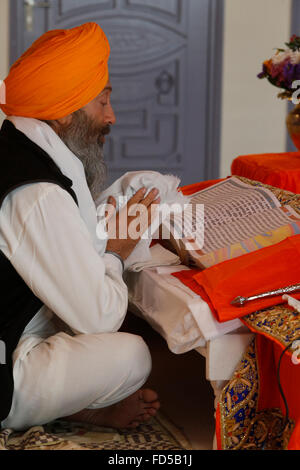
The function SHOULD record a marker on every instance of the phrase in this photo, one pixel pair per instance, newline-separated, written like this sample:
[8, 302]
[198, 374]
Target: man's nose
[110, 117]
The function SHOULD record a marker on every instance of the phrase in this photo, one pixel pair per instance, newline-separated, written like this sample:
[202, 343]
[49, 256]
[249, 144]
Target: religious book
[226, 220]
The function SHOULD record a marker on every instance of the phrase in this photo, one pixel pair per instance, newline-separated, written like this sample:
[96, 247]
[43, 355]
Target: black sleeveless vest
[21, 162]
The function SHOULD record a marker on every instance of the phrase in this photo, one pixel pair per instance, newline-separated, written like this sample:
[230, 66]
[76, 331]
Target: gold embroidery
[242, 427]
[238, 401]
[278, 322]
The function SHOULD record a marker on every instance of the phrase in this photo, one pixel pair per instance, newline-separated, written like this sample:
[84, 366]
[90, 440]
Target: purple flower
[275, 71]
[263, 73]
[290, 73]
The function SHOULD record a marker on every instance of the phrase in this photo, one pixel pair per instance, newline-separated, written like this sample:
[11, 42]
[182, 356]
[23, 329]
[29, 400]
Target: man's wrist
[109, 252]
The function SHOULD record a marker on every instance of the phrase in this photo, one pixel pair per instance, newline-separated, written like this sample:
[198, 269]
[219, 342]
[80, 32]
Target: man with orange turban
[63, 298]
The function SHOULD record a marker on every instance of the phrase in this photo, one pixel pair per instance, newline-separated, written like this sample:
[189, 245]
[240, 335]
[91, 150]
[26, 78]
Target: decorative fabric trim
[279, 323]
[240, 426]
[238, 402]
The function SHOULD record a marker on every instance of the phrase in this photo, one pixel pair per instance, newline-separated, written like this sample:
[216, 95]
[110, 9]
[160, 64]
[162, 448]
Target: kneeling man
[63, 301]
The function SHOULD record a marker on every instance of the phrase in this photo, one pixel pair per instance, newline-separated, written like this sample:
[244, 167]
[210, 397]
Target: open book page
[246, 246]
[238, 218]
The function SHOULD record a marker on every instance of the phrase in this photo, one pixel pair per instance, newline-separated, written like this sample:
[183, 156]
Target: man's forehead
[107, 87]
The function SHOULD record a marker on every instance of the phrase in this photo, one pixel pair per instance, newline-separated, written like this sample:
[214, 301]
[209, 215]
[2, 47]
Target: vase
[293, 125]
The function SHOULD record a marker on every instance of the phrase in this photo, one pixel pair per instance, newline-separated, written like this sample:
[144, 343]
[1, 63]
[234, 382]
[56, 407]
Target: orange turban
[60, 73]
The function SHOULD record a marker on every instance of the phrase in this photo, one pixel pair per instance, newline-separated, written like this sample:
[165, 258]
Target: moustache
[105, 130]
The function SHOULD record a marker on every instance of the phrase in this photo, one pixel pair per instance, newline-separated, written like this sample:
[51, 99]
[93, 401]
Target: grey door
[165, 69]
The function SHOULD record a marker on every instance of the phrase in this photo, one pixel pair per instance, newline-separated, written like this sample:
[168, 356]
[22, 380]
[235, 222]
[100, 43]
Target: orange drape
[281, 170]
[263, 270]
[194, 188]
[269, 397]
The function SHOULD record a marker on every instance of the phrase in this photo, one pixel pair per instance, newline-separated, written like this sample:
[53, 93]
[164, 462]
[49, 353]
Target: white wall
[253, 118]
[4, 45]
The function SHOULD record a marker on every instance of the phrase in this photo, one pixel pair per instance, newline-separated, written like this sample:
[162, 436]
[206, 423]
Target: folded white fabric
[159, 257]
[174, 310]
[126, 186]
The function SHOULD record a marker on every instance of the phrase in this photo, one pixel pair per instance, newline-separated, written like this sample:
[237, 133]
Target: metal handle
[29, 12]
[164, 82]
[239, 301]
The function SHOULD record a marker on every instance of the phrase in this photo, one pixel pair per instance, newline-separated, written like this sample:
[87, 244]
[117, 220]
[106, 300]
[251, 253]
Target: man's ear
[65, 121]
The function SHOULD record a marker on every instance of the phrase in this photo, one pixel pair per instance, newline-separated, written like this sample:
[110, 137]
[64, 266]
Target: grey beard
[82, 137]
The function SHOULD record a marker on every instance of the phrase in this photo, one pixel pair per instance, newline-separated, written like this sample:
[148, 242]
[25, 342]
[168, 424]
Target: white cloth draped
[126, 186]
[183, 319]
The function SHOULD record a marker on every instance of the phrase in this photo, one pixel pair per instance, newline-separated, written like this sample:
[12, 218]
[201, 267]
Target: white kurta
[59, 373]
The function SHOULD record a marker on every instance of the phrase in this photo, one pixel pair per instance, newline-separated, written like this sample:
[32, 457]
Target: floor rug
[157, 434]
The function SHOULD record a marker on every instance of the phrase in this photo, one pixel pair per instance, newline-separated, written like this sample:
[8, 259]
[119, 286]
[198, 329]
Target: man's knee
[135, 356]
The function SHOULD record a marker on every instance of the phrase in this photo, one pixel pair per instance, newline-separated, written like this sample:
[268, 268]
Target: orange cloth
[294, 442]
[194, 188]
[187, 278]
[277, 169]
[270, 268]
[60, 73]
[268, 354]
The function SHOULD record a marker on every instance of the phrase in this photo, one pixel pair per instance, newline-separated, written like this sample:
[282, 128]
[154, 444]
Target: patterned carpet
[158, 434]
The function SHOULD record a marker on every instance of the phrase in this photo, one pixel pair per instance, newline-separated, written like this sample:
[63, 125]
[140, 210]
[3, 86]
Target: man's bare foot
[128, 413]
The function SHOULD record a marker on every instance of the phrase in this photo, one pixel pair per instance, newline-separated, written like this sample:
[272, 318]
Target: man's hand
[126, 227]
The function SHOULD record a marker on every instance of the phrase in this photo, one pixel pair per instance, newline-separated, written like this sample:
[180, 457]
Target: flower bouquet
[283, 68]
[283, 71]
